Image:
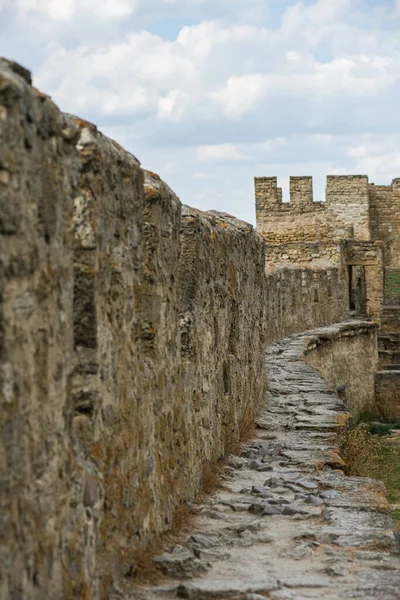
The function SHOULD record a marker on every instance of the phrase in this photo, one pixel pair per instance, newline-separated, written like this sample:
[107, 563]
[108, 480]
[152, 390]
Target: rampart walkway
[288, 523]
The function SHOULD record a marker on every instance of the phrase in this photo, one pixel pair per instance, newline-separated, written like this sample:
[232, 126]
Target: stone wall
[314, 254]
[385, 219]
[389, 349]
[103, 410]
[391, 319]
[222, 327]
[132, 338]
[131, 349]
[39, 168]
[337, 232]
[347, 359]
[392, 286]
[343, 216]
[299, 298]
[368, 256]
[387, 389]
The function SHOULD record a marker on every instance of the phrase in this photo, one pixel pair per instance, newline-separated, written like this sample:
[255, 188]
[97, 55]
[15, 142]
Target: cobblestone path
[288, 524]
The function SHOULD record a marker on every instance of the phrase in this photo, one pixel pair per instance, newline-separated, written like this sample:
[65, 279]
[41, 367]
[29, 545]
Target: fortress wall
[107, 406]
[369, 255]
[132, 337]
[131, 349]
[304, 254]
[344, 215]
[385, 220]
[347, 197]
[222, 328]
[392, 286]
[298, 299]
[39, 168]
[347, 359]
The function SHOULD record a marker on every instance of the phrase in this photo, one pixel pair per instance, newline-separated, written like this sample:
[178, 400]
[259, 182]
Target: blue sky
[210, 93]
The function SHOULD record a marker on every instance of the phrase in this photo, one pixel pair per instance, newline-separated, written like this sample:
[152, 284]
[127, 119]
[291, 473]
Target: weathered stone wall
[347, 201]
[387, 389]
[299, 298]
[131, 349]
[222, 323]
[391, 319]
[392, 286]
[132, 337]
[336, 232]
[103, 411]
[39, 168]
[347, 358]
[314, 254]
[389, 349]
[344, 215]
[385, 219]
[369, 256]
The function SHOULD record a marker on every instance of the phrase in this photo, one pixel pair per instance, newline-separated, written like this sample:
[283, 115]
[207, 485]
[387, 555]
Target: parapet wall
[385, 220]
[347, 359]
[132, 338]
[297, 299]
[344, 214]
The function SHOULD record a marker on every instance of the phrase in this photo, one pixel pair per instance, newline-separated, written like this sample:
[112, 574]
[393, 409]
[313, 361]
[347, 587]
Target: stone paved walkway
[288, 524]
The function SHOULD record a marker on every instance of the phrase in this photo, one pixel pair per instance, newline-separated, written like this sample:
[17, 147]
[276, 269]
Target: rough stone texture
[222, 323]
[316, 254]
[131, 349]
[297, 299]
[38, 181]
[302, 530]
[344, 215]
[387, 389]
[390, 322]
[389, 354]
[385, 219]
[368, 257]
[347, 358]
[103, 411]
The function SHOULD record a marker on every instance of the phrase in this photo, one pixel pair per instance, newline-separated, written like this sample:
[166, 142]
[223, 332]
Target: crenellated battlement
[343, 215]
[268, 195]
[339, 189]
[301, 192]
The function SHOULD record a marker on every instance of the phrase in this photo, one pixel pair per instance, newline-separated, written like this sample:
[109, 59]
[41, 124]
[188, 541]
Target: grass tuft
[356, 449]
[376, 457]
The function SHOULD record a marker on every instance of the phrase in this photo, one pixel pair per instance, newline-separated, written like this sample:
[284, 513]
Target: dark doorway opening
[357, 290]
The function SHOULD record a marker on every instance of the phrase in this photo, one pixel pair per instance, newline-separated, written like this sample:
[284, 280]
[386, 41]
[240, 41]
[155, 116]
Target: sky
[211, 93]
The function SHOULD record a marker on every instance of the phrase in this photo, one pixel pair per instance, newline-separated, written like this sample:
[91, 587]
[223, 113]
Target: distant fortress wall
[353, 210]
[304, 232]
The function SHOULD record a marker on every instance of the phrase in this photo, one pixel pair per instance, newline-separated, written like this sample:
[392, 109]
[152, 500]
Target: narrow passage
[288, 524]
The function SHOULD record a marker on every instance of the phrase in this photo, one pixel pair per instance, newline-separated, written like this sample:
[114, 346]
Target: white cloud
[203, 175]
[172, 106]
[219, 152]
[55, 9]
[241, 94]
[354, 76]
[215, 70]
[65, 10]
[228, 89]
